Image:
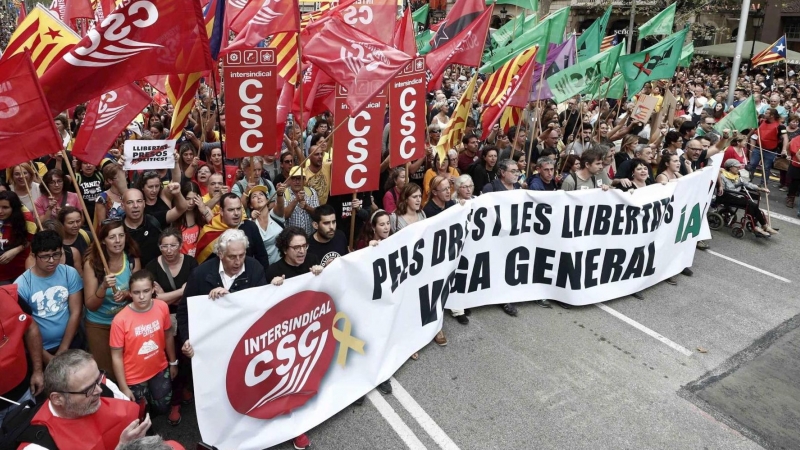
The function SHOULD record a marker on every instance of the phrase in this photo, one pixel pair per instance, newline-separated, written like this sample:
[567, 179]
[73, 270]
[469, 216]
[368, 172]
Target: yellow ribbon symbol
[346, 340]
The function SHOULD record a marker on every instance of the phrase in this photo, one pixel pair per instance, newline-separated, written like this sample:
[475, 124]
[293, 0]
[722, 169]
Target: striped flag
[772, 54]
[511, 117]
[285, 45]
[497, 84]
[608, 42]
[47, 38]
[181, 90]
[214, 16]
[452, 134]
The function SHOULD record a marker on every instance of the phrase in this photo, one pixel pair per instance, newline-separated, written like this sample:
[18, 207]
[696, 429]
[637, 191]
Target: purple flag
[559, 57]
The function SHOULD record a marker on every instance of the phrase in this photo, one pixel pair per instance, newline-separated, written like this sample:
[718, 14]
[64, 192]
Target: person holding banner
[439, 196]
[409, 208]
[54, 196]
[24, 185]
[588, 176]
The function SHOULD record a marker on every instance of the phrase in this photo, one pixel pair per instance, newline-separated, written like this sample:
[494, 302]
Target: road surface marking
[784, 218]
[644, 329]
[424, 420]
[397, 424]
[777, 277]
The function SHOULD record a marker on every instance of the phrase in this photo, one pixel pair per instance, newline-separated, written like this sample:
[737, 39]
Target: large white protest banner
[273, 362]
[149, 155]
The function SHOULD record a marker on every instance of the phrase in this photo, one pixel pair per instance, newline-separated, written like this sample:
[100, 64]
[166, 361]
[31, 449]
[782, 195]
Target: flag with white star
[47, 38]
[772, 54]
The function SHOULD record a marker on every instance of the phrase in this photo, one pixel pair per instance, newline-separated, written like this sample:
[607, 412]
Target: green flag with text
[585, 76]
[742, 117]
[654, 63]
[661, 24]
[589, 41]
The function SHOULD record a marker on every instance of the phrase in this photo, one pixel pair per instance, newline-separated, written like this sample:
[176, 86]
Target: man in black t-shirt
[293, 246]
[145, 228]
[327, 243]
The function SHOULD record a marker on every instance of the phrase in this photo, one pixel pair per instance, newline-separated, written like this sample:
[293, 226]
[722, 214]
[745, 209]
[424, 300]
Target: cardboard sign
[149, 155]
[407, 114]
[356, 162]
[251, 110]
[667, 111]
[643, 108]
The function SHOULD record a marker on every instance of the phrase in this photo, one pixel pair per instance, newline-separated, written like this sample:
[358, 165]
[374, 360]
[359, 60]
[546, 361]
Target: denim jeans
[5, 408]
[755, 158]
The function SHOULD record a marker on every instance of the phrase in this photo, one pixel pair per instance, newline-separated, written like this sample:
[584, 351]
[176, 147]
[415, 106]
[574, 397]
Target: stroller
[726, 215]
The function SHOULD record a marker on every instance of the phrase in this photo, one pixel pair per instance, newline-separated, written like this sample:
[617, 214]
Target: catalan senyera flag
[451, 136]
[496, 85]
[285, 45]
[181, 90]
[512, 116]
[772, 54]
[47, 38]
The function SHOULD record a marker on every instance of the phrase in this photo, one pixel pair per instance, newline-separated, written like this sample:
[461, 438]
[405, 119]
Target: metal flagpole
[737, 58]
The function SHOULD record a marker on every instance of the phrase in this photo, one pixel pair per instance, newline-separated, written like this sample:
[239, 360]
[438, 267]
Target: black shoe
[687, 271]
[385, 388]
[671, 281]
[562, 305]
[637, 295]
[360, 401]
[543, 303]
[462, 319]
[510, 309]
[467, 312]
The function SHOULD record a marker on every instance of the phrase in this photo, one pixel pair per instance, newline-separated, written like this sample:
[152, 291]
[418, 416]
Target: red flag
[373, 17]
[355, 60]
[318, 89]
[516, 94]
[27, 130]
[138, 39]
[106, 117]
[404, 35]
[407, 114]
[463, 13]
[465, 49]
[284, 105]
[22, 13]
[59, 9]
[263, 18]
[76, 9]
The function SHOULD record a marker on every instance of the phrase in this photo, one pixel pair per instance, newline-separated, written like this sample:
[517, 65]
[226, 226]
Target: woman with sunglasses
[50, 203]
[104, 295]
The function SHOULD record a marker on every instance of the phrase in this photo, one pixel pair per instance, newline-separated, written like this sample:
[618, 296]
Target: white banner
[149, 154]
[273, 362]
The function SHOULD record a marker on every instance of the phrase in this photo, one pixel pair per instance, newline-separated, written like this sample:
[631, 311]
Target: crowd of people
[97, 318]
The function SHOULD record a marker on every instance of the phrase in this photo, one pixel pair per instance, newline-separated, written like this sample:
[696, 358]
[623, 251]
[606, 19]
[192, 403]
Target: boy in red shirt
[140, 334]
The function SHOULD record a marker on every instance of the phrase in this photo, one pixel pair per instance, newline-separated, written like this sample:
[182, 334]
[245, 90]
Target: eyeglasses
[89, 390]
[56, 181]
[51, 257]
[467, 186]
[299, 248]
[168, 246]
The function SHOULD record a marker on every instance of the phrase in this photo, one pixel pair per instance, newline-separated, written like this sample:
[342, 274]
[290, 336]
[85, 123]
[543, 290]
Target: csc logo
[251, 115]
[356, 14]
[407, 123]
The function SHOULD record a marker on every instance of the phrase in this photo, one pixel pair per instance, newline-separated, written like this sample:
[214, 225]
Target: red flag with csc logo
[135, 41]
[106, 117]
[27, 130]
[363, 65]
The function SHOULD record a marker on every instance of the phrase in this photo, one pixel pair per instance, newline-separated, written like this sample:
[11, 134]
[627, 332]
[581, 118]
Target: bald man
[145, 228]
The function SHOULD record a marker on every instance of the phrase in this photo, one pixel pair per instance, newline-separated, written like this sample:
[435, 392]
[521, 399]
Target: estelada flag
[138, 39]
[27, 130]
[46, 37]
[106, 117]
[263, 18]
[772, 54]
[355, 60]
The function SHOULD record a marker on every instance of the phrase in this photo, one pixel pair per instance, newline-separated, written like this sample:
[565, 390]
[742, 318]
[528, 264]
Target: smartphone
[142, 408]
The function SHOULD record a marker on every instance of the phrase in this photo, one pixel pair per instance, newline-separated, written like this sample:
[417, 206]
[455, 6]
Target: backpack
[575, 180]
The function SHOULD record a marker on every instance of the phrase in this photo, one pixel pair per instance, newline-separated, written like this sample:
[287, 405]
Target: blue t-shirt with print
[48, 298]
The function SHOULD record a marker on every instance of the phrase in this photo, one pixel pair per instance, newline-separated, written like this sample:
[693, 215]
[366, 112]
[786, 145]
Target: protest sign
[667, 110]
[316, 344]
[643, 108]
[251, 102]
[407, 113]
[148, 155]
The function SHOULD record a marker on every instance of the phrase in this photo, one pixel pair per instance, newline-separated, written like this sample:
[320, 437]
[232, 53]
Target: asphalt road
[585, 378]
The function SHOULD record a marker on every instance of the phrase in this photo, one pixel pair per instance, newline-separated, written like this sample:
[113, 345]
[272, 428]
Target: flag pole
[528, 155]
[353, 219]
[764, 174]
[300, 87]
[88, 219]
[35, 212]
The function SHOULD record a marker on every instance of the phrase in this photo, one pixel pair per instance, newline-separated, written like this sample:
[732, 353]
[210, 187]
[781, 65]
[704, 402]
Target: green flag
[582, 77]
[420, 15]
[613, 88]
[424, 41]
[535, 36]
[589, 41]
[687, 53]
[742, 117]
[532, 5]
[556, 26]
[654, 63]
[661, 24]
[505, 33]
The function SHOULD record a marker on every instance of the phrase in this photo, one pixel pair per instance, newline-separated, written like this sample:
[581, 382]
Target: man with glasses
[54, 293]
[83, 409]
